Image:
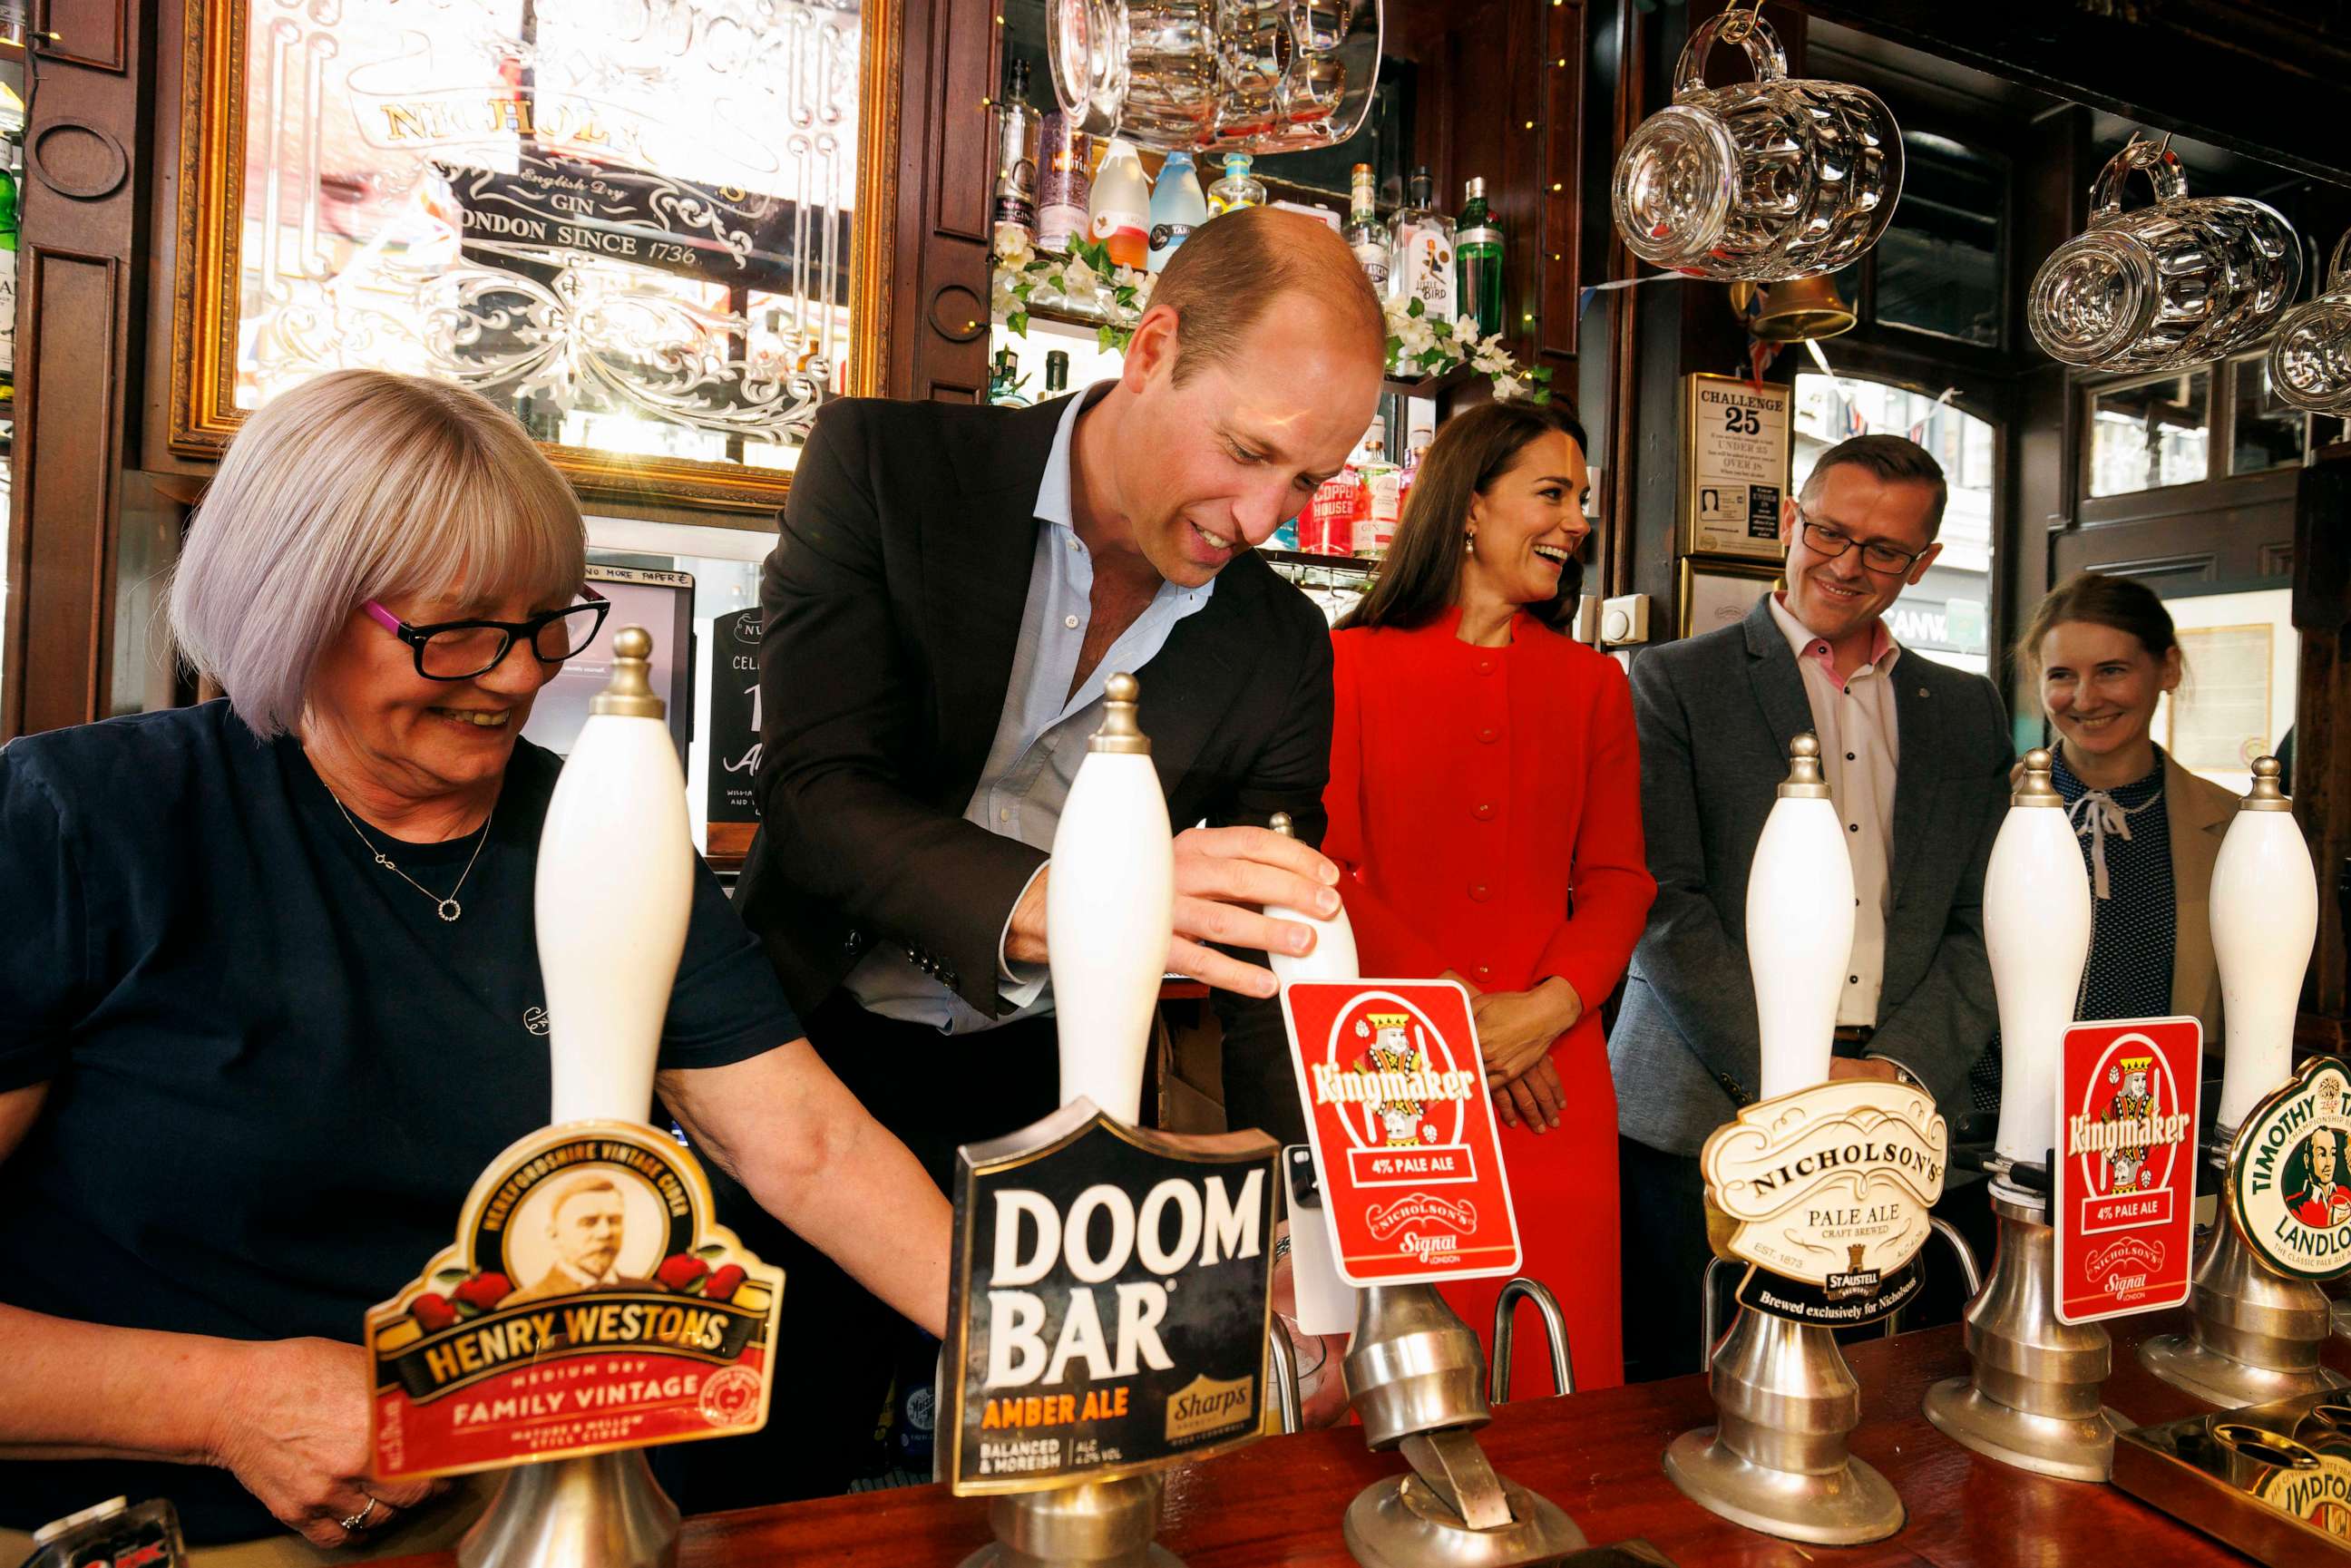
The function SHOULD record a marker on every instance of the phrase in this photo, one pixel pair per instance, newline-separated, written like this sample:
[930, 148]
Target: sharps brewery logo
[589, 1304]
[1111, 1301]
[2289, 1178]
[1403, 1129]
[1828, 1189]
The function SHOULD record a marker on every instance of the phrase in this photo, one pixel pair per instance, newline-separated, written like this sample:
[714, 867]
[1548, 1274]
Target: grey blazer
[1716, 713]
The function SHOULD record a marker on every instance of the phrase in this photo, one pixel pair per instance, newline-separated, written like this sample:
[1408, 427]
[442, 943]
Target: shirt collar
[1804, 645]
[1053, 502]
[1056, 507]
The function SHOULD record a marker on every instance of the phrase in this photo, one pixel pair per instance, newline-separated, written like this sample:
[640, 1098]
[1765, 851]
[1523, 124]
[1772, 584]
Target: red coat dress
[1485, 811]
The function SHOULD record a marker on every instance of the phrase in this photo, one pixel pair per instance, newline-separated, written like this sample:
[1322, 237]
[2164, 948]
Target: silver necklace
[447, 908]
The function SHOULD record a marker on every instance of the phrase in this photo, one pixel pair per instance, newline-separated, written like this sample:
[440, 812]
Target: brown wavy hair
[2120, 602]
[1423, 574]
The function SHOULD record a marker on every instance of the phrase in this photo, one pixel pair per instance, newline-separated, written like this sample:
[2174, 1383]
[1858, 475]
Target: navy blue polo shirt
[274, 1070]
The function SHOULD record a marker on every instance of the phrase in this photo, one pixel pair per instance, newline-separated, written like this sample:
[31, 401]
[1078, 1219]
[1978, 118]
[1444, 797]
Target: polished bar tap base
[605, 1511]
[1095, 1524]
[2256, 1334]
[1776, 1459]
[1417, 1382]
[2032, 1400]
[2343, 1317]
[1454, 1510]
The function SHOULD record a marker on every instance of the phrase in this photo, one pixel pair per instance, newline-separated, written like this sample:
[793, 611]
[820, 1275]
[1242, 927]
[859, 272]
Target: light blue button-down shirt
[1040, 738]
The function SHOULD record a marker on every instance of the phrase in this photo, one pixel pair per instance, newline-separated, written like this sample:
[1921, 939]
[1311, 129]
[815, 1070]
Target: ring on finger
[357, 1522]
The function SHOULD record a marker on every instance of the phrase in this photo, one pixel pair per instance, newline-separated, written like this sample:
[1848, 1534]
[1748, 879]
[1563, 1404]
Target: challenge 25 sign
[1403, 1130]
[1109, 1301]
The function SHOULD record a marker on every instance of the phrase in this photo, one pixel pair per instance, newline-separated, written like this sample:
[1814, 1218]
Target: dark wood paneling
[1553, 255]
[92, 33]
[938, 302]
[65, 423]
[80, 248]
[2322, 777]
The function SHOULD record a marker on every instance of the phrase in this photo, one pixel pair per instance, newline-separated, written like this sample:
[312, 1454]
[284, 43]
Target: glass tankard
[2310, 359]
[2182, 282]
[1767, 180]
[1216, 76]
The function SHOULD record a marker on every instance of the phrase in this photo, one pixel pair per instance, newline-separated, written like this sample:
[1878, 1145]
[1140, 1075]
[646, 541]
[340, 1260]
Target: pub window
[2263, 431]
[1939, 267]
[2150, 433]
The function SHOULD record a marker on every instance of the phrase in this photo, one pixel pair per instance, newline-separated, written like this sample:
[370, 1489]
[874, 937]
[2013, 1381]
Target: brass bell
[1794, 311]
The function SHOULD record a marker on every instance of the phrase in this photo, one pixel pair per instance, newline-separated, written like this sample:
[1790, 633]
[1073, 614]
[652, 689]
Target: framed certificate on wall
[1720, 592]
[1735, 466]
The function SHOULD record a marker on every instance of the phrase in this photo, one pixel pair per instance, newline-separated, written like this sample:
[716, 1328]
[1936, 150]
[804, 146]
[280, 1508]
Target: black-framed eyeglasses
[1876, 555]
[462, 650]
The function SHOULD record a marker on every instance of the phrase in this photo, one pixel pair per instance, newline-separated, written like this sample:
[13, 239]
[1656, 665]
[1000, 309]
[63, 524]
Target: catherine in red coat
[1485, 815]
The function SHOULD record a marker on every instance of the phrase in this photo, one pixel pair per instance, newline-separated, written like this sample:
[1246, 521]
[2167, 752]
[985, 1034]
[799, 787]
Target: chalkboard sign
[734, 736]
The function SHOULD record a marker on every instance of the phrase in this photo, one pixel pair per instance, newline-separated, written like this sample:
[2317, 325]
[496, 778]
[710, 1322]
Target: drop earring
[1468, 543]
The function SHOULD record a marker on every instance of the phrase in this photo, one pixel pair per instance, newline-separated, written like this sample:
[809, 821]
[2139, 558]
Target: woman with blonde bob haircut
[271, 999]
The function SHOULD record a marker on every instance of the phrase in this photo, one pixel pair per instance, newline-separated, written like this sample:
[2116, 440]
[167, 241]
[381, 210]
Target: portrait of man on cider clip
[2314, 1181]
[587, 1221]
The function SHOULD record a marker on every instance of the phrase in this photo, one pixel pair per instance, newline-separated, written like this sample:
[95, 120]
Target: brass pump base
[2256, 1335]
[1402, 1522]
[1776, 1459]
[2032, 1399]
[1844, 1507]
[1095, 1524]
[1416, 1379]
[606, 1511]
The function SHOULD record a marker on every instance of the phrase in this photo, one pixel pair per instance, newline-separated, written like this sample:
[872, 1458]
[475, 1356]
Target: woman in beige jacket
[2103, 650]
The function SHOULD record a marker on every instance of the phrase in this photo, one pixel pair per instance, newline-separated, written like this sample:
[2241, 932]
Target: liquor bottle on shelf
[1177, 207]
[1005, 380]
[1057, 372]
[1477, 262]
[1380, 504]
[1327, 527]
[1237, 189]
[1420, 251]
[1364, 233]
[1416, 447]
[1015, 212]
[1119, 208]
[1062, 183]
[11, 193]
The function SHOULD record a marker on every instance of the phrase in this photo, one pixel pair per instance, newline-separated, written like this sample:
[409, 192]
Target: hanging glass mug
[1216, 76]
[2182, 282]
[1763, 181]
[2310, 359]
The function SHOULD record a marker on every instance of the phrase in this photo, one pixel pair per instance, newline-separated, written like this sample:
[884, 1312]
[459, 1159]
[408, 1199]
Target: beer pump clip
[1413, 1370]
[2260, 1315]
[2032, 1398]
[1111, 1296]
[590, 1305]
[1777, 1458]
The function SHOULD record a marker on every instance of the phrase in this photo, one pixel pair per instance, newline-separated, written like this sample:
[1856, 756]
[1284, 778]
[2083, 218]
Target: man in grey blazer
[1917, 755]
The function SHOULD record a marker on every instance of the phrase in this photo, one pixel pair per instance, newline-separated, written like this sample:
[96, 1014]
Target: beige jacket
[2200, 812]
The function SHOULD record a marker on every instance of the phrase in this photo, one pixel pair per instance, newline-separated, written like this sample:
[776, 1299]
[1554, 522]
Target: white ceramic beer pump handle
[1333, 957]
[615, 880]
[1799, 925]
[1110, 910]
[2265, 920]
[2037, 923]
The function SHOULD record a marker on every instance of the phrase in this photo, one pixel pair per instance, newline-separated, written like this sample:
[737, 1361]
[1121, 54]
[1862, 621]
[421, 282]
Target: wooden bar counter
[1596, 1455]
